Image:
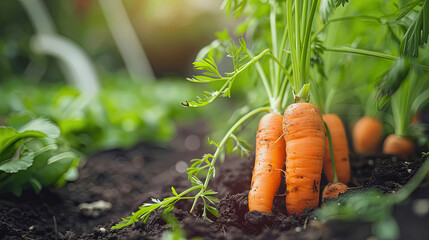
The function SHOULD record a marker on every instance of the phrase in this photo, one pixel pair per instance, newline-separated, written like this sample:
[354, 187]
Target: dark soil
[127, 179]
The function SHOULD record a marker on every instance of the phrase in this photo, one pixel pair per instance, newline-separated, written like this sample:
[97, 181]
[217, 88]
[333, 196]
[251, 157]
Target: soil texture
[126, 179]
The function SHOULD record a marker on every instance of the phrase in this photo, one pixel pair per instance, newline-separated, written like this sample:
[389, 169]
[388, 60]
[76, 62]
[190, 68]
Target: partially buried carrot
[333, 190]
[397, 145]
[304, 133]
[269, 161]
[367, 134]
[340, 149]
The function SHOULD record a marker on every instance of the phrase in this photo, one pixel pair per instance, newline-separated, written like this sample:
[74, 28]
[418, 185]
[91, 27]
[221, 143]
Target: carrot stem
[331, 151]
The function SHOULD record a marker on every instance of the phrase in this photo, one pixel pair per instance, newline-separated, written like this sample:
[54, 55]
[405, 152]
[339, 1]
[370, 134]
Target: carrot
[332, 190]
[269, 161]
[367, 134]
[397, 145]
[340, 149]
[304, 133]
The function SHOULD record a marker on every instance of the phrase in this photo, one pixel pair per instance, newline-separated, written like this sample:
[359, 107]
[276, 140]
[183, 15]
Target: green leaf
[234, 7]
[37, 186]
[21, 161]
[241, 146]
[207, 98]
[212, 210]
[42, 125]
[194, 180]
[61, 156]
[417, 34]
[408, 8]
[9, 136]
[327, 8]
[173, 191]
[392, 80]
[212, 199]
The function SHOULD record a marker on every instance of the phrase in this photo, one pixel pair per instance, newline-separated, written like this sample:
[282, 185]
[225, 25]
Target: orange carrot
[332, 190]
[367, 134]
[397, 145]
[340, 149]
[269, 161]
[305, 146]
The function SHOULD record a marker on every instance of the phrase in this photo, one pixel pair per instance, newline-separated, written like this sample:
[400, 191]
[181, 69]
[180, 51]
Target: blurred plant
[31, 155]
[123, 113]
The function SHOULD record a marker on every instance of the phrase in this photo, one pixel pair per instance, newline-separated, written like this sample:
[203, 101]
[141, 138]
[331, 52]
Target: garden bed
[126, 179]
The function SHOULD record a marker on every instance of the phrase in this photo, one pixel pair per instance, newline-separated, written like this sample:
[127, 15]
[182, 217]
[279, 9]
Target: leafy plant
[33, 157]
[418, 32]
[123, 113]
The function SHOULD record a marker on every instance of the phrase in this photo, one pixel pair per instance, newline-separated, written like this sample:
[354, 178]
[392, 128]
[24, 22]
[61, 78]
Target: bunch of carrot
[300, 135]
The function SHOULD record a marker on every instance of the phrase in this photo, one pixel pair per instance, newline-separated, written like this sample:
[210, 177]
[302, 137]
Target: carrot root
[305, 146]
[367, 134]
[269, 159]
[333, 190]
[397, 145]
[341, 150]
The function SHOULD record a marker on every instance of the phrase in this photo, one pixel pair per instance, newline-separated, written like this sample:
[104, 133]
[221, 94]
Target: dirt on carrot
[333, 190]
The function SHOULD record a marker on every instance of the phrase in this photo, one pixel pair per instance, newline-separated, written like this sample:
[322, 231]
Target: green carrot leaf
[327, 8]
[234, 7]
[391, 81]
[417, 33]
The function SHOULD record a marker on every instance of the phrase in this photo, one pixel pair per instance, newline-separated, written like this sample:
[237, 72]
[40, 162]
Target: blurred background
[109, 73]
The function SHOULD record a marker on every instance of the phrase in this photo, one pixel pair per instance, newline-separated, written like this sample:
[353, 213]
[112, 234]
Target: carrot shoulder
[397, 145]
[340, 149]
[367, 134]
[269, 161]
[304, 133]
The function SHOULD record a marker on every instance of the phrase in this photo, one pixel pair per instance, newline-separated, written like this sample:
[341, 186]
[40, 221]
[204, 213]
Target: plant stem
[367, 53]
[361, 52]
[331, 151]
[225, 138]
[260, 70]
[305, 61]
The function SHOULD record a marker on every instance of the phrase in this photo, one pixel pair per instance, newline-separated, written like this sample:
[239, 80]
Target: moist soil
[128, 178]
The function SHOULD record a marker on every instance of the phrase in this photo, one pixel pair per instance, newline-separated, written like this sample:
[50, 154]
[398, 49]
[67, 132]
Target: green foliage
[123, 114]
[418, 32]
[327, 7]
[411, 96]
[211, 73]
[167, 204]
[234, 7]
[392, 80]
[32, 156]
